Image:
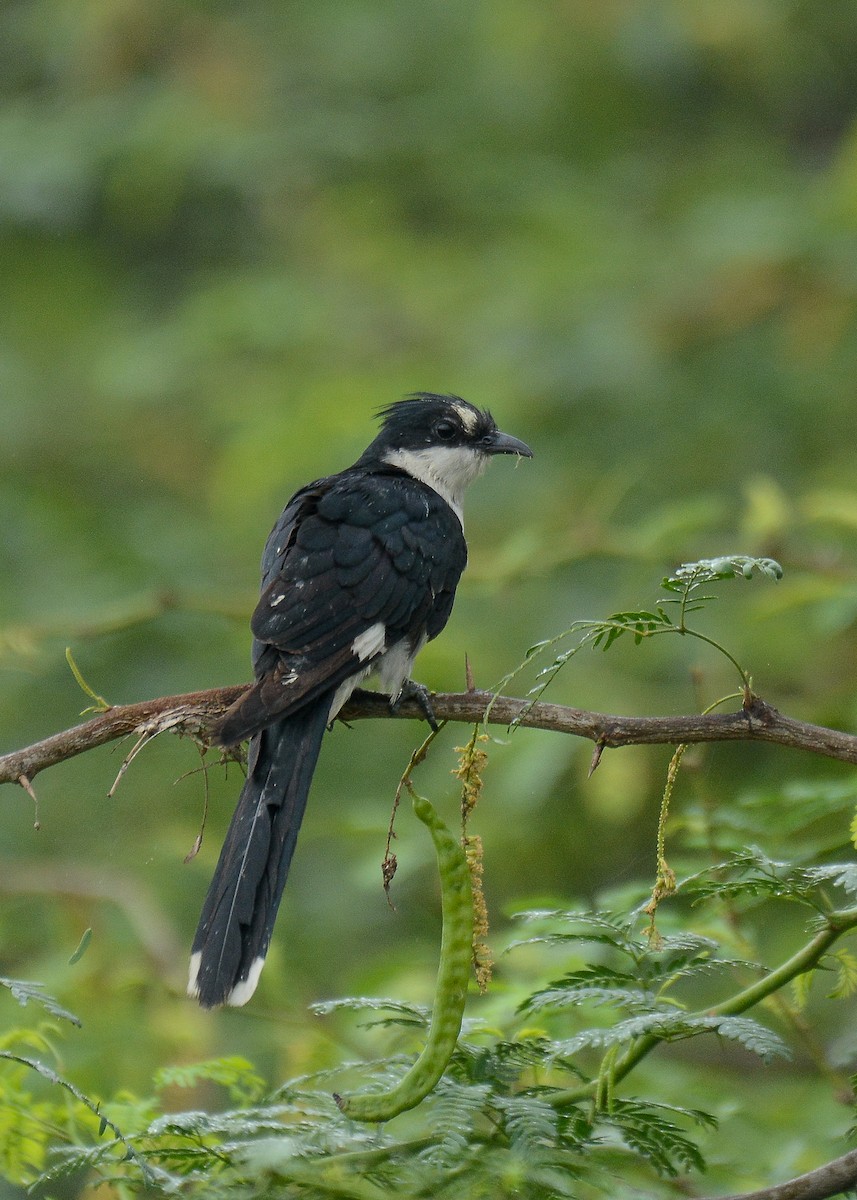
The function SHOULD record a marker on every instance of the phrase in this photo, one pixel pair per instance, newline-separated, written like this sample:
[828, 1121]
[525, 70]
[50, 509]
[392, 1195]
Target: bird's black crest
[422, 408]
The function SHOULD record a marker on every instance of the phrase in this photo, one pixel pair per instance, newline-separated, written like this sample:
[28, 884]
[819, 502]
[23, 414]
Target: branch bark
[195, 713]
[832, 1179]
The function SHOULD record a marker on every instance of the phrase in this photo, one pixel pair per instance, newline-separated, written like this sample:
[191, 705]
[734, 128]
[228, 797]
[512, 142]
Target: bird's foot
[411, 690]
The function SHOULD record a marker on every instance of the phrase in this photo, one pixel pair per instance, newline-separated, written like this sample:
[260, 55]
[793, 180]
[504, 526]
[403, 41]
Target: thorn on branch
[596, 759]
[31, 792]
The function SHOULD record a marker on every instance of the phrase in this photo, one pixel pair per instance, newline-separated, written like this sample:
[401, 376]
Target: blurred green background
[228, 234]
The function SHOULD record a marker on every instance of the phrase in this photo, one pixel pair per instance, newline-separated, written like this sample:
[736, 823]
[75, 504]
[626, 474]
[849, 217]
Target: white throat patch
[447, 469]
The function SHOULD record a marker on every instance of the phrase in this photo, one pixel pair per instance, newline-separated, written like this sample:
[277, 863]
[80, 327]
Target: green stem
[837, 923]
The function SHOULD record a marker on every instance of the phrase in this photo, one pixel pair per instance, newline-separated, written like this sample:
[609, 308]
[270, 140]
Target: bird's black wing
[357, 563]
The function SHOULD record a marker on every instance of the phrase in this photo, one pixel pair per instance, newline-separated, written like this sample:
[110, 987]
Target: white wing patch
[370, 642]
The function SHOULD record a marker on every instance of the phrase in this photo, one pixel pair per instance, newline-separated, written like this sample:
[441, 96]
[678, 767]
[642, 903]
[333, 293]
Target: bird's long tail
[238, 915]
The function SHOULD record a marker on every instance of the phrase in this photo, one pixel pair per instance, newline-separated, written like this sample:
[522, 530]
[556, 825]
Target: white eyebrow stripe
[467, 416]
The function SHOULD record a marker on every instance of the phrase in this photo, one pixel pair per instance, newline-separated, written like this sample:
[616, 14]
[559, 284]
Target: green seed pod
[450, 990]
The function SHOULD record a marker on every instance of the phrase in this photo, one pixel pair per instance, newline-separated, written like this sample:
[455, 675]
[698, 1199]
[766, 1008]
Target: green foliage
[26, 992]
[532, 1114]
[752, 874]
[481, 1123]
[685, 584]
[242, 1083]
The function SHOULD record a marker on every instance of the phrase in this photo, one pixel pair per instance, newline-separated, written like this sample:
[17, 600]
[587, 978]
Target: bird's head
[442, 441]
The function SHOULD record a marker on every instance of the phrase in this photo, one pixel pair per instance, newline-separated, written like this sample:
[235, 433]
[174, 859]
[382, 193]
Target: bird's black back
[364, 547]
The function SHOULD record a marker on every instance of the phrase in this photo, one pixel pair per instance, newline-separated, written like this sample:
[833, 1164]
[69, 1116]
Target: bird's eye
[445, 430]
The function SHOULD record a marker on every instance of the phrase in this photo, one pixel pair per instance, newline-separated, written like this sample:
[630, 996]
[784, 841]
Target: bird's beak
[504, 443]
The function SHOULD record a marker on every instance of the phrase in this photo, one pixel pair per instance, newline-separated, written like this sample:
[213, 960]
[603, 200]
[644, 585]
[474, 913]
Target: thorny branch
[195, 713]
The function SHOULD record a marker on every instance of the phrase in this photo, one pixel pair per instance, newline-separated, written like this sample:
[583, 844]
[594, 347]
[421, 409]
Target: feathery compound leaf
[235, 1074]
[531, 1124]
[677, 956]
[675, 1026]
[237, 1126]
[708, 570]
[69, 1161]
[843, 875]
[410, 1015]
[647, 1129]
[753, 873]
[503, 1063]
[846, 975]
[26, 992]
[595, 985]
[456, 1108]
[600, 927]
[750, 1034]
[323, 1008]
[661, 1024]
[641, 623]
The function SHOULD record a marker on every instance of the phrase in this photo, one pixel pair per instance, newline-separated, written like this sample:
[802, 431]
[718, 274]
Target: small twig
[197, 841]
[390, 863]
[143, 740]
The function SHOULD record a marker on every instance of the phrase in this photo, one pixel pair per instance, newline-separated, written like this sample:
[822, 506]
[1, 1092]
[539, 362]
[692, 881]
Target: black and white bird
[359, 572]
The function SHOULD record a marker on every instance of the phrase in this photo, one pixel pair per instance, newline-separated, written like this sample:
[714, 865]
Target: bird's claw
[420, 694]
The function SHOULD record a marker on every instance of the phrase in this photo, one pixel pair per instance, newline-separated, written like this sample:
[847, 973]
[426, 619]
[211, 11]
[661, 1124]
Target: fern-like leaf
[647, 1129]
[729, 566]
[26, 992]
[674, 1026]
[531, 1125]
[236, 1074]
[456, 1108]
[597, 985]
[411, 1015]
[580, 926]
